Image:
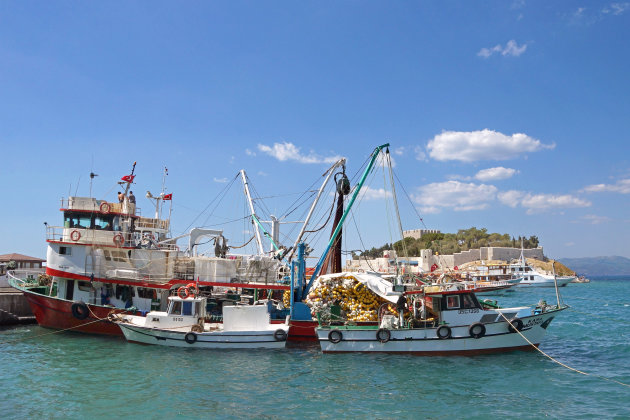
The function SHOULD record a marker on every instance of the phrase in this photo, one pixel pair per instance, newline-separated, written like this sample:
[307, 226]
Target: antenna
[77, 188]
[92, 175]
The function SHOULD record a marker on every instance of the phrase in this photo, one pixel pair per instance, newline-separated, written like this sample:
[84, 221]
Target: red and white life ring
[118, 240]
[192, 289]
[105, 207]
[75, 235]
[183, 292]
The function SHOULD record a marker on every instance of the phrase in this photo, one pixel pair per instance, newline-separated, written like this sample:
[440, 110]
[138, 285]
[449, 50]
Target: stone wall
[427, 259]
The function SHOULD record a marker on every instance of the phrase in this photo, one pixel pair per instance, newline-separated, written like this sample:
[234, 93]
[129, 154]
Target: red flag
[167, 197]
[128, 178]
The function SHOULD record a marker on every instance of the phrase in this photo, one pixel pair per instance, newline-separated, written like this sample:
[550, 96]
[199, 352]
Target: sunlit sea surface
[69, 375]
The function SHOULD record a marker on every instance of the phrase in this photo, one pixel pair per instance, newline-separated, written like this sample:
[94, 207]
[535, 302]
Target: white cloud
[220, 180]
[368, 193]
[250, 153]
[457, 195]
[399, 151]
[616, 8]
[493, 174]
[288, 151]
[261, 173]
[595, 220]
[471, 146]
[622, 186]
[511, 48]
[539, 203]
[420, 155]
[510, 198]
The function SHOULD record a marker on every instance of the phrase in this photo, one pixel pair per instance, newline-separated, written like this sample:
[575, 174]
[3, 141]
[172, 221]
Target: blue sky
[511, 116]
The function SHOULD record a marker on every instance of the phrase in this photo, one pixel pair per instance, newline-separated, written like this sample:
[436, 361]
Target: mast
[340, 162]
[400, 229]
[251, 209]
[367, 171]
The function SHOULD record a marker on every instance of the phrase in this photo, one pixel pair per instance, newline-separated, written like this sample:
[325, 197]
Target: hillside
[599, 266]
[542, 266]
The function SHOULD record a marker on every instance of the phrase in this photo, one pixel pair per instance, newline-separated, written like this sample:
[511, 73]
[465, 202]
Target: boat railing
[102, 206]
[89, 236]
[25, 277]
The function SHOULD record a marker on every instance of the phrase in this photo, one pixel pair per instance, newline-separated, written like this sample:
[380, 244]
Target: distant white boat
[533, 277]
[183, 325]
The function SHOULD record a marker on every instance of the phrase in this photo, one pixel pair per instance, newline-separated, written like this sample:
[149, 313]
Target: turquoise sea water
[68, 375]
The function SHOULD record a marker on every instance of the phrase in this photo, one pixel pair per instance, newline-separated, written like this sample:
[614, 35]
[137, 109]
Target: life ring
[190, 338]
[75, 235]
[477, 330]
[80, 310]
[105, 207]
[280, 335]
[193, 290]
[118, 240]
[443, 332]
[383, 335]
[335, 336]
[434, 267]
[515, 325]
[183, 292]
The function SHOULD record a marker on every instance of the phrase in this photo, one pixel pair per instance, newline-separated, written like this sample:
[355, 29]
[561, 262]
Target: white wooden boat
[184, 325]
[445, 320]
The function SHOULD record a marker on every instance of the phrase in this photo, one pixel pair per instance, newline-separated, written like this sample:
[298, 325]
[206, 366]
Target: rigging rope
[557, 361]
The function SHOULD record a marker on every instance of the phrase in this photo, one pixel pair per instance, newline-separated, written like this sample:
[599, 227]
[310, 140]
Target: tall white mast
[251, 208]
[331, 170]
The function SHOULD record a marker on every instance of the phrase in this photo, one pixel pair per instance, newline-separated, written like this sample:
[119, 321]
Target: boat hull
[52, 312]
[424, 341]
[545, 282]
[206, 340]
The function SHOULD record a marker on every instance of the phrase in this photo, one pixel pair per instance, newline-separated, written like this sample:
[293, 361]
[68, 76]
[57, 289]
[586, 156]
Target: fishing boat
[106, 258]
[185, 323]
[443, 319]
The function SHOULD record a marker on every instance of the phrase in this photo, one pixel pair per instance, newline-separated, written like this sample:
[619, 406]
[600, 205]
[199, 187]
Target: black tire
[517, 325]
[443, 332]
[335, 336]
[190, 338]
[80, 310]
[280, 335]
[383, 335]
[477, 330]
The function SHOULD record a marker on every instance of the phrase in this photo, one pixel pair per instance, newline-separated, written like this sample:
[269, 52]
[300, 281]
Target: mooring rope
[557, 361]
[62, 330]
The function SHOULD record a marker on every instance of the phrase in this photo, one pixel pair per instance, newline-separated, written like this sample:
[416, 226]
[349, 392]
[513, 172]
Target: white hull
[425, 341]
[206, 340]
[541, 281]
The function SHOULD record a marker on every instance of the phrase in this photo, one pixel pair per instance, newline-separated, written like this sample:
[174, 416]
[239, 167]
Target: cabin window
[84, 286]
[467, 302]
[65, 250]
[77, 220]
[176, 307]
[147, 293]
[452, 302]
[187, 308]
[103, 222]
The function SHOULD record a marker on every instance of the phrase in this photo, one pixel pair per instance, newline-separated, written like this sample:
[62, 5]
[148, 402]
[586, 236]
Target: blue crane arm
[318, 267]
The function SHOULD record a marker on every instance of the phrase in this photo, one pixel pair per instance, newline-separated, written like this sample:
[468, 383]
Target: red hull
[56, 313]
